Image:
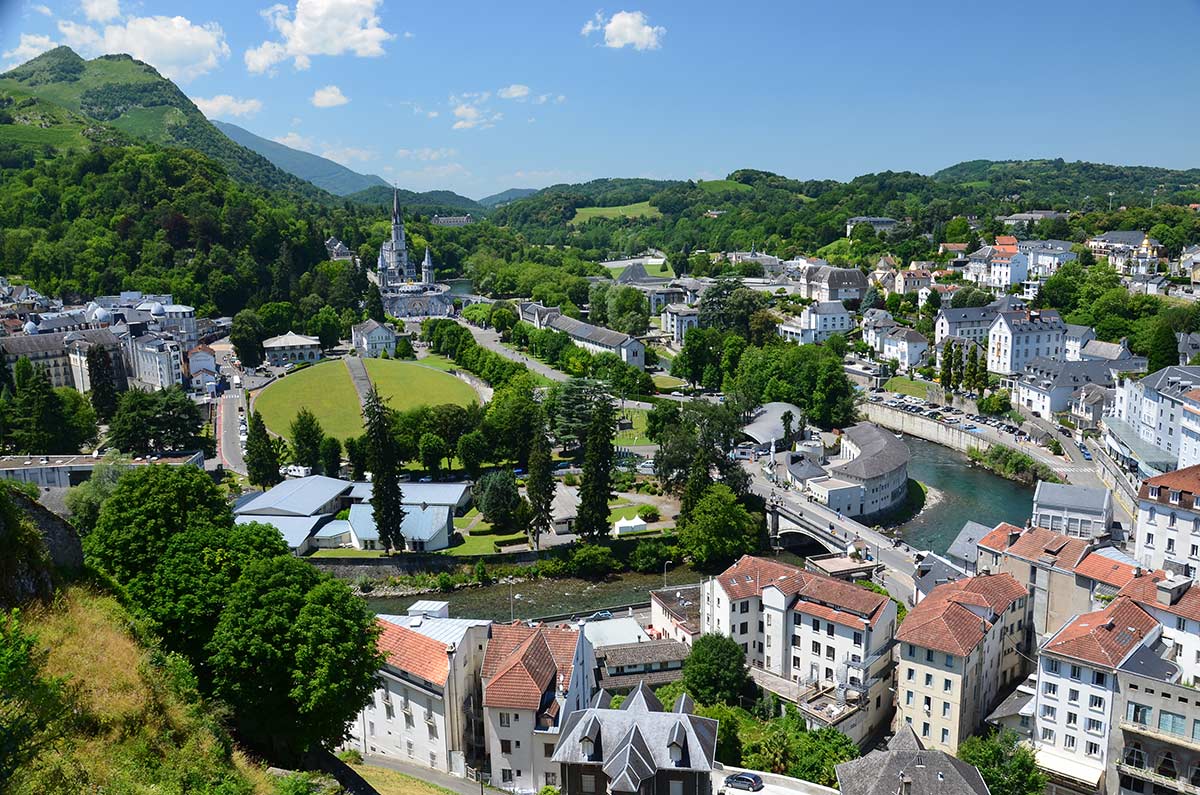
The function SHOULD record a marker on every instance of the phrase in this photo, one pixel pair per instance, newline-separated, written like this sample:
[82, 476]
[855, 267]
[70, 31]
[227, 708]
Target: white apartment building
[831, 637]
[876, 324]
[970, 323]
[678, 319]
[906, 346]
[1074, 511]
[959, 650]
[1017, 337]
[1168, 522]
[1076, 690]
[427, 708]
[1189, 430]
[1074, 339]
[817, 322]
[157, 361]
[1145, 426]
[1175, 604]
[1005, 272]
[371, 338]
[533, 678]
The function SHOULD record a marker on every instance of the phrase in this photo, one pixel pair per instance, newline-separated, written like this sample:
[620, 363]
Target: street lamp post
[665, 564]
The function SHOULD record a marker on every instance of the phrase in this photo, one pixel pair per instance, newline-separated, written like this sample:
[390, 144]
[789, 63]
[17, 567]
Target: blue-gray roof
[420, 524]
[333, 529]
[299, 497]
[294, 529]
[417, 493]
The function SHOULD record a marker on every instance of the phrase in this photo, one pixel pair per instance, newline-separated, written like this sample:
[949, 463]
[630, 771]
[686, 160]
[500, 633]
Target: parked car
[1086, 453]
[602, 615]
[751, 782]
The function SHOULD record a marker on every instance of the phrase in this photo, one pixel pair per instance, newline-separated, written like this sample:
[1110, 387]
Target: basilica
[403, 294]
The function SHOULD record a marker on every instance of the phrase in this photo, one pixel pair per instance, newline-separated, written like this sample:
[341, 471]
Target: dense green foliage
[85, 500]
[148, 422]
[715, 670]
[34, 706]
[1006, 764]
[718, 530]
[557, 349]
[595, 491]
[1012, 464]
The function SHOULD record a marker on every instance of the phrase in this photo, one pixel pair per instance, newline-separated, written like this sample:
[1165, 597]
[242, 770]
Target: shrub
[364, 584]
[446, 582]
[481, 573]
[593, 562]
[570, 479]
[350, 756]
[649, 556]
[553, 568]
[648, 513]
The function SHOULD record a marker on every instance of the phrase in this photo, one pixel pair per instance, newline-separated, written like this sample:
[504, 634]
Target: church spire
[427, 268]
[395, 204]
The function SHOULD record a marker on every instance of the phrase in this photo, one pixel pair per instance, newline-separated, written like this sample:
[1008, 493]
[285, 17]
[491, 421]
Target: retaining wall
[924, 428]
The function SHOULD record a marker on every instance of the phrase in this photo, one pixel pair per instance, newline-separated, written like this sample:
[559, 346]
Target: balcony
[1145, 729]
[1145, 774]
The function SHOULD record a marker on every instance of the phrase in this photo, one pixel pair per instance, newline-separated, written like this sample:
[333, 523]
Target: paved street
[229, 448]
[489, 339]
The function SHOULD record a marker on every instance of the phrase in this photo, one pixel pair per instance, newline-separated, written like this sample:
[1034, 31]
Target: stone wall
[412, 563]
[923, 428]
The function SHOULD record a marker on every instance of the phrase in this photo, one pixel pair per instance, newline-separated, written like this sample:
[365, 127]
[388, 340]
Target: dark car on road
[751, 782]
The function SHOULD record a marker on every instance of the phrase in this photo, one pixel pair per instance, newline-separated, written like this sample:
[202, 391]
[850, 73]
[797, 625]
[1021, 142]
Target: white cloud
[295, 140]
[408, 34]
[560, 99]
[224, 105]
[319, 27]
[328, 97]
[43, 10]
[29, 46]
[426, 153]
[626, 29]
[100, 10]
[175, 46]
[348, 154]
[441, 171]
[515, 91]
[470, 111]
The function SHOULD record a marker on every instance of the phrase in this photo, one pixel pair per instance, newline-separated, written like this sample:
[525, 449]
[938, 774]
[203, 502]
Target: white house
[597, 339]
[906, 346]
[157, 361]
[202, 368]
[970, 323]
[678, 319]
[428, 690]
[817, 323]
[371, 338]
[868, 476]
[876, 324]
[1048, 386]
[1168, 522]
[291, 347]
[1018, 337]
[1074, 338]
[1075, 511]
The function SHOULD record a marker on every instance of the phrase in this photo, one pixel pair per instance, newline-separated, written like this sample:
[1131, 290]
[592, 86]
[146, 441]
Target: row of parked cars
[948, 415]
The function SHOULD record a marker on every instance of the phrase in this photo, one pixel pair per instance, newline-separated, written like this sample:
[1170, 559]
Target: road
[489, 339]
[229, 447]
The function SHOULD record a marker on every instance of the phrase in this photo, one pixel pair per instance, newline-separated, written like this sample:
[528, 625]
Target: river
[963, 493]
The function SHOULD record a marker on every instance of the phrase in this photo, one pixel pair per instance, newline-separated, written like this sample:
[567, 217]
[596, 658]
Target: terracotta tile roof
[413, 652]
[944, 622]
[521, 663]
[1104, 637]
[1186, 481]
[742, 578]
[1037, 543]
[1144, 591]
[1106, 570]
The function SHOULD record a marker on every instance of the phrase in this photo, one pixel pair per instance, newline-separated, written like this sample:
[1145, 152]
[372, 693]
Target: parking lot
[948, 415]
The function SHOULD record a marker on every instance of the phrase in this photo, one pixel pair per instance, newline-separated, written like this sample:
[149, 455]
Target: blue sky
[480, 96]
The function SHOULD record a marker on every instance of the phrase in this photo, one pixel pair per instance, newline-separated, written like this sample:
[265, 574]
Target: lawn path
[358, 377]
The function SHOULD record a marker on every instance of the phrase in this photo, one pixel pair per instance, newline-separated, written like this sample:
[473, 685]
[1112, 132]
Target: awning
[1051, 761]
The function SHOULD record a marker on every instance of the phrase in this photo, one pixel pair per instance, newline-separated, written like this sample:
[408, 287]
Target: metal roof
[1065, 495]
[299, 497]
[420, 524]
[294, 529]
[768, 424]
[444, 630]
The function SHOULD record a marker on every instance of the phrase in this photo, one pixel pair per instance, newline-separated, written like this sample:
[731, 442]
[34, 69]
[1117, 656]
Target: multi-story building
[1047, 386]
[912, 280]
[907, 767]
[1173, 601]
[959, 649]
[426, 709]
[823, 282]
[876, 323]
[970, 323]
[157, 361]
[1168, 522]
[831, 638]
[1017, 337]
[1143, 431]
[291, 347]
[1075, 511]
[637, 749]
[868, 476]
[878, 223]
[678, 319]
[1189, 429]
[1074, 338]
[533, 678]
[817, 322]
[53, 353]
[906, 346]
[675, 613]
[597, 339]
[372, 338]
[962, 349]
[1077, 690]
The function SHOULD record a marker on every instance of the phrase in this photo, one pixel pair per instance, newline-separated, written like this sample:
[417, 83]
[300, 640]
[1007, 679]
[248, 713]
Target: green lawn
[639, 210]
[908, 386]
[482, 541]
[636, 436]
[664, 271]
[326, 390]
[721, 185]
[391, 782]
[438, 362]
[667, 382]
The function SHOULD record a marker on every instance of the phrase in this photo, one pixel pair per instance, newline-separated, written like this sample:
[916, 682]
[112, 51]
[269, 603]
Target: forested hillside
[320, 171]
[1077, 186]
[58, 101]
[435, 201]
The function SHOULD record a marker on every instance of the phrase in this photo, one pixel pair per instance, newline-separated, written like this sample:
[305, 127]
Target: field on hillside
[719, 185]
[639, 210]
[327, 391]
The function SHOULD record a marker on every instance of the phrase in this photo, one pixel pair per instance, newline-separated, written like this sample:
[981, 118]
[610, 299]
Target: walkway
[489, 339]
[461, 786]
[358, 376]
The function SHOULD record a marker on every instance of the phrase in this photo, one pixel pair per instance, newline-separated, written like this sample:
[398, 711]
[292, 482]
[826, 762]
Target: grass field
[636, 436]
[664, 271]
[639, 210]
[326, 390]
[438, 362]
[391, 782]
[667, 382]
[907, 386]
[720, 185]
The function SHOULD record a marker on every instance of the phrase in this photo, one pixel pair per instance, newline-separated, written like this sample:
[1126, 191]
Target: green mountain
[320, 171]
[506, 196]
[1070, 184]
[59, 100]
[444, 202]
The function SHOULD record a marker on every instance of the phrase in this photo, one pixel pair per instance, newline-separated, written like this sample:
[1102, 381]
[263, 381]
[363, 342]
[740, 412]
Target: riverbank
[1012, 465]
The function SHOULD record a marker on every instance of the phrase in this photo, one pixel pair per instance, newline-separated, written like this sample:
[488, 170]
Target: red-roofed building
[808, 631]
[427, 710]
[960, 647]
[1077, 689]
[533, 678]
[1168, 521]
[1174, 601]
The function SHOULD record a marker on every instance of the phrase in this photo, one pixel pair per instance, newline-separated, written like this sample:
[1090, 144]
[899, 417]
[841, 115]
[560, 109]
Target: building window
[1073, 695]
[504, 720]
[548, 749]
[911, 674]
[858, 638]
[1052, 666]
[1172, 723]
[1069, 742]
[1139, 713]
[551, 779]
[929, 680]
[675, 787]
[1047, 735]
[1076, 672]
[1072, 718]
[929, 655]
[945, 736]
[1095, 702]
[924, 729]
[408, 748]
[1050, 689]
[949, 661]
[506, 776]
[1094, 726]
[945, 709]
[587, 782]
[946, 685]
[908, 696]
[1049, 711]
[506, 746]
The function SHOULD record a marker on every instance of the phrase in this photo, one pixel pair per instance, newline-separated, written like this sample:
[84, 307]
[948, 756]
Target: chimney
[1013, 535]
[1172, 588]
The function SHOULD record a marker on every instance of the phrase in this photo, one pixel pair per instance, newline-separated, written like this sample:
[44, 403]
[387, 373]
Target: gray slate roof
[586, 331]
[1083, 498]
[299, 497]
[41, 343]
[927, 772]
[935, 570]
[964, 550]
[879, 452]
[768, 424]
[827, 308]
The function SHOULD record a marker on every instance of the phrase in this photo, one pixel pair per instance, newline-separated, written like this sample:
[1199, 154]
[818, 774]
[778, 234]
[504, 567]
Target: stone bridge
[831, 538]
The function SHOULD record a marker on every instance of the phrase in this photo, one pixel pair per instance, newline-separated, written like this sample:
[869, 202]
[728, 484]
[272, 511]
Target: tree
[1005, 763]
[871, 299]
[247, 335]
[146, 421]
[472, 451]
[404, 349]
[331, 456]
[85, 500]
[539, 486]
[503, 319]
[262, 464]
[326, 326]
[375, 305]
[22, 372]
[103, 381]
[383, 458]
[294, 655]
[718, 530]
[947, 373]
[715, 670]
[699, 478]
[592, 521]
[498, 499]
[1164, 348]
[971, 369]
[356, 454]
[178, 420]
[39, 423]
[432, 450]
[80, 426]
[662, 415]
[132, 427]
[729, 741]
[820, 752]
[789, 420]
[306, 435]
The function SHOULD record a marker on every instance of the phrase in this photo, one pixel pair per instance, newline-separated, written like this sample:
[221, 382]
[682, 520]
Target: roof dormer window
[1154, 492]
[1174, 497]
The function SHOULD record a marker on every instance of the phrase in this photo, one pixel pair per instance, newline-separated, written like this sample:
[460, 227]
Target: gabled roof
[586, 331]
[1186, 481]
[523, 678]
[414, 653]
[1067, 495]
[942, 621]
[1105, 637]
[298, 497]
[914, 770]
[1144, 591]
[1102, 568]
[1036, 544]
[820, 595]
[290, 340]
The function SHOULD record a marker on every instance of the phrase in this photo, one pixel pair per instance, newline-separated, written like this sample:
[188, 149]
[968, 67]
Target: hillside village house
[913, 280]
[959, 649]
[202, 369]
[291, 347]
[1017, 337]
[533, 678]
[878, 223]
[1074, 338]
[816, 323]
[906, 346]
[426, 710]
[371, 338]
[819, 281]
[1075, 511]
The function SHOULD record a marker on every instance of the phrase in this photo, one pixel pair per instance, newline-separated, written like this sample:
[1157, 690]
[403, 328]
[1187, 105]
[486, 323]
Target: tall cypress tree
[540, 484]
[262, 462]
[307, 434]
[383, 458]
[597, 471]
[971, 369]
[38, 422]
[104, 387]
[947, 374]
